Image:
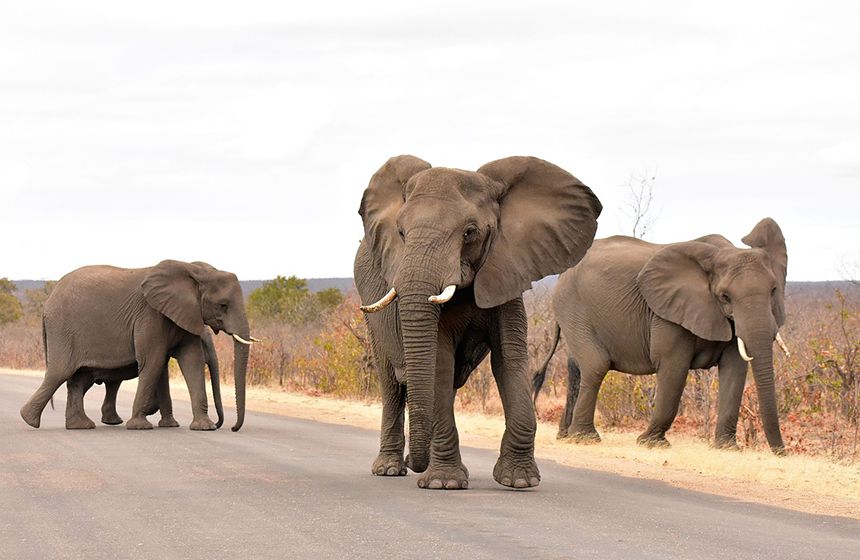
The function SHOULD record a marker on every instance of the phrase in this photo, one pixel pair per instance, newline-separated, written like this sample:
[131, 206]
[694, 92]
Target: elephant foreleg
[733, 374]
[76, 387]
[671, 379]
[165, 404]
[109, 413]
[392, 440]
[446, 470]
[191, 363]
[516, 466]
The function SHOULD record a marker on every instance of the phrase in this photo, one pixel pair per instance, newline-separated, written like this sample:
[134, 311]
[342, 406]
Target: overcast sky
[243, 133]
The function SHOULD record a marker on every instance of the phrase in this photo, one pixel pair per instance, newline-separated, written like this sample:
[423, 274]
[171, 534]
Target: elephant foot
[728, 443]
[202, 424]
[653, 441]
[30, 417]
[79, 423]
[585, 437]
[445, 477]
[168, 422]
[111, 419]
[517, 471]
[138, 423]
[389, 464]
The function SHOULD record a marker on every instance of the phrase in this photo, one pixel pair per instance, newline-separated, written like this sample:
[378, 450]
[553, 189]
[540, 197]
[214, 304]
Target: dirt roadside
[806, 484]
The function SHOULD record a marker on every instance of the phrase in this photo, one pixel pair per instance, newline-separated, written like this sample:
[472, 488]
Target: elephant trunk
[240, 367]
[419, 322]
[758, 334]
[214, 377]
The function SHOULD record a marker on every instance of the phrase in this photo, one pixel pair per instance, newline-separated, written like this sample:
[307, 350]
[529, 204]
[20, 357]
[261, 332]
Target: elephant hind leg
[574, 377]
[77, 386]
[31, 412]
[109, 413]
[592, 370]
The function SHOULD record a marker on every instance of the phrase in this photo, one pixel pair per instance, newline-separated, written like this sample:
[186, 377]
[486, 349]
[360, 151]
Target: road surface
[289, 488]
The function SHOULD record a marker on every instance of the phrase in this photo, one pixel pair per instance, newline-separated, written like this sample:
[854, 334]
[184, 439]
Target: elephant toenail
[534, 481]
[506, 481]
[521, 483]
[421, 484]
[435, 484]
[452, 485]
[391, 471]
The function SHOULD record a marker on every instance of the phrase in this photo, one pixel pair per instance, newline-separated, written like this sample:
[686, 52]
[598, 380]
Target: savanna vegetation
[317, 343]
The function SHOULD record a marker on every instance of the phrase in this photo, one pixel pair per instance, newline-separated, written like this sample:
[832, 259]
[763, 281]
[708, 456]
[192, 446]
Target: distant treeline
[248, 286]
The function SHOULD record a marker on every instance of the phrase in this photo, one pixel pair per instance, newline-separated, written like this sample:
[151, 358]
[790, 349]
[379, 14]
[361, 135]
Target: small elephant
[108, 318]
[446, 257]
[644, 308]
[84, 379]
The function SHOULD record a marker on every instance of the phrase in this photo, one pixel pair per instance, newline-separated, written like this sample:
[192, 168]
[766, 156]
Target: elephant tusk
[381, 304]
[446, 294]
[782, 345]
[254, 339]
[742, 348]
[242, 340]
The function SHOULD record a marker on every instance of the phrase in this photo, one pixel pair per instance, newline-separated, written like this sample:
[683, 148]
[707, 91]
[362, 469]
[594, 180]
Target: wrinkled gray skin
[108, 318]
[643, 308]
[490, 233]
[84, 379]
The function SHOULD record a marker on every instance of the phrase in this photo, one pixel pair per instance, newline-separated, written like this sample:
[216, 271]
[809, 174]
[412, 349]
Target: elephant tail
[540, 375]
[45, 348]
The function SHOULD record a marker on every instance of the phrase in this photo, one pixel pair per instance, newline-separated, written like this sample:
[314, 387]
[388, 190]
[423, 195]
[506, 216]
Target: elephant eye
[224, 307]
[724, 297]
[401, 234]
[470, 233]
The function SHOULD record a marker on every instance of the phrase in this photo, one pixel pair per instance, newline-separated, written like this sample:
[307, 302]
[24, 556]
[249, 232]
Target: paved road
[288, 488]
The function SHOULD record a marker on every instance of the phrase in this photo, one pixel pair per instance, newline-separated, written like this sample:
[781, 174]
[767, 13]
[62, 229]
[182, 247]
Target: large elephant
[644, 308]
[105, 318]
[84, 378]
[479, 238]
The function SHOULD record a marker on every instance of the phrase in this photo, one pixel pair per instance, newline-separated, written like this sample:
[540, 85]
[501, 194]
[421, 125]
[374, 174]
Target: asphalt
[290, 488]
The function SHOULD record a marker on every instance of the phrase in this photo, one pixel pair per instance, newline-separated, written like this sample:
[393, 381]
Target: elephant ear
[676, 285]
[171, 288]
[767, 235]
[382, 199]
[547, 221]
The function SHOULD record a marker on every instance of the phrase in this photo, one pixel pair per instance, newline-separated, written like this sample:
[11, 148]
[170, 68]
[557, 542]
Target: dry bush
[21, 345]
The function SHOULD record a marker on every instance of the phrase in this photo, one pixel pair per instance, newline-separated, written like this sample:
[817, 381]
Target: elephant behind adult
[84, 379]
[446, 256]
[644, 308]
[105, 318]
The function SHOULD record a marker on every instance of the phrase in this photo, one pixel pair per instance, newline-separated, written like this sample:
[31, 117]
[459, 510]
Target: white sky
[243, 133]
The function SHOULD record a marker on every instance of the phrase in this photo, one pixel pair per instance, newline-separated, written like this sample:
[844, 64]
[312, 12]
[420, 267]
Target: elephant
[643, 308]
[109, 318]
[84, 378]
[445, 258]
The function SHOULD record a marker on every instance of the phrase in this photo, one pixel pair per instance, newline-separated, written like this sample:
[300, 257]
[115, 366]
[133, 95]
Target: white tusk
[381, 304]
[242, 340]
[446, 294]
[254, 339]
[782, 345]
[742, 348]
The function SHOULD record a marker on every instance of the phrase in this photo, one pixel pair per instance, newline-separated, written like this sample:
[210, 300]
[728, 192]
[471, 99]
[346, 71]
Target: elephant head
[194, 295]
[720, 292]
[489, 234]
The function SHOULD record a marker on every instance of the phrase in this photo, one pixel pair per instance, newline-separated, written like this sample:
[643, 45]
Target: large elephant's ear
[547, 221]
[768, 236]
[382, 199]
[676, 285]
[171, 288]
